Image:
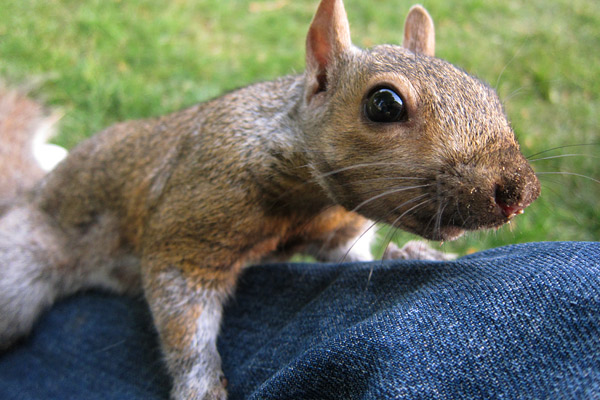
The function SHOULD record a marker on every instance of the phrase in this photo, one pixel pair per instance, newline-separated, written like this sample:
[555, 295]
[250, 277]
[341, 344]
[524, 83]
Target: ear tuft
[419, 32]
[328, 37]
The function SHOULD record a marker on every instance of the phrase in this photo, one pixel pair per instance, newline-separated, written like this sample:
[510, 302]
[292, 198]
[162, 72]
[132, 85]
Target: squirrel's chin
[443, 233]
[446, 233]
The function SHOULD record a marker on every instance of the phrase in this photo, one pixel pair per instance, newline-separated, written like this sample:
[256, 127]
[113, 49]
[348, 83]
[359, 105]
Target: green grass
[101, 61]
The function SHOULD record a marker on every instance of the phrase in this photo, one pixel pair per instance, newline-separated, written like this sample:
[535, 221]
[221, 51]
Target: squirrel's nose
[516, 190]
[511, 200]
[510, 210]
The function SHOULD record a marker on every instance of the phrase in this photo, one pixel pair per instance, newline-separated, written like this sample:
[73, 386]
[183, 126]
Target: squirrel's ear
[419, 33]
[328, 36]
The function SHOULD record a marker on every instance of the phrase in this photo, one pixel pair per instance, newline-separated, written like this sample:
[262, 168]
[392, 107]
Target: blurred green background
[101, 61]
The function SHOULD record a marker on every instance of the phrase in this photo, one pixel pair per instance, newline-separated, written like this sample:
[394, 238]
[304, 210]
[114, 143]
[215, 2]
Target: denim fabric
[517, 322]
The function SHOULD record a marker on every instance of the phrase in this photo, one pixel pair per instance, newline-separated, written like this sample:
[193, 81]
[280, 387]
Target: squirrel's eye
[385, 105]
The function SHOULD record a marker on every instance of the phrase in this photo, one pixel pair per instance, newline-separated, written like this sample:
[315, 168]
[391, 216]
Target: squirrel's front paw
[207, 387]
[416, 250]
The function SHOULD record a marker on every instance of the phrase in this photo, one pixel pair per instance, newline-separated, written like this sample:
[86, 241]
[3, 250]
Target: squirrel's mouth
[451, 232]
[442, 233]
[446, 229]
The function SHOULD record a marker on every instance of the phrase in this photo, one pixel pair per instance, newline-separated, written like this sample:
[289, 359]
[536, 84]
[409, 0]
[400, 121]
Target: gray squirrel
[177, 206]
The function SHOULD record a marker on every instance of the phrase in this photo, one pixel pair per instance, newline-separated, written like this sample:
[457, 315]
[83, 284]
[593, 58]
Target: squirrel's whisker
[380, 179]
[388, 237]
[363, 165]
[563, 156]
[387, 193]
[567, 173]
[383, 219]
[561, 147]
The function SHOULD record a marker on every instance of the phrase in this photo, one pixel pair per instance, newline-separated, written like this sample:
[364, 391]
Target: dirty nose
[513, 197]
[510, 210]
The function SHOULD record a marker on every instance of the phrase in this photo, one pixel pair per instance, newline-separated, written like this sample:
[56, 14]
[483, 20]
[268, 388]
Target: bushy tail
[24, 128]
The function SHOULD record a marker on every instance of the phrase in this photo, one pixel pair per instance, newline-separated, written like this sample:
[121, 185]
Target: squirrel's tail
[24, 129]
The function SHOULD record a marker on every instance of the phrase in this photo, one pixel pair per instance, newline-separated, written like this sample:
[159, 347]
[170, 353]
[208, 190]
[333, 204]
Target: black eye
[385, 105]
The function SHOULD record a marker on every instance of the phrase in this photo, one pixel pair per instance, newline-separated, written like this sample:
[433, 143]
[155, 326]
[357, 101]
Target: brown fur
[293, 164]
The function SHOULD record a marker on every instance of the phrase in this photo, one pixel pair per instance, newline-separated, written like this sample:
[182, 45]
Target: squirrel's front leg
[186, 304]
[340, 235]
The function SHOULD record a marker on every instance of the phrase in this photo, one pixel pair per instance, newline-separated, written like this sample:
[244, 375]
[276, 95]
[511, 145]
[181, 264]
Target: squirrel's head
[405, 138]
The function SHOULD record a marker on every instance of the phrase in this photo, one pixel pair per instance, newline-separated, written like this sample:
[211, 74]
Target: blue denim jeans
[517, 322]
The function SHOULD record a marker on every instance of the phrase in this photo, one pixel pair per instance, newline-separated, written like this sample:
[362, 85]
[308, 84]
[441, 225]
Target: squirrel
[177, 206]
